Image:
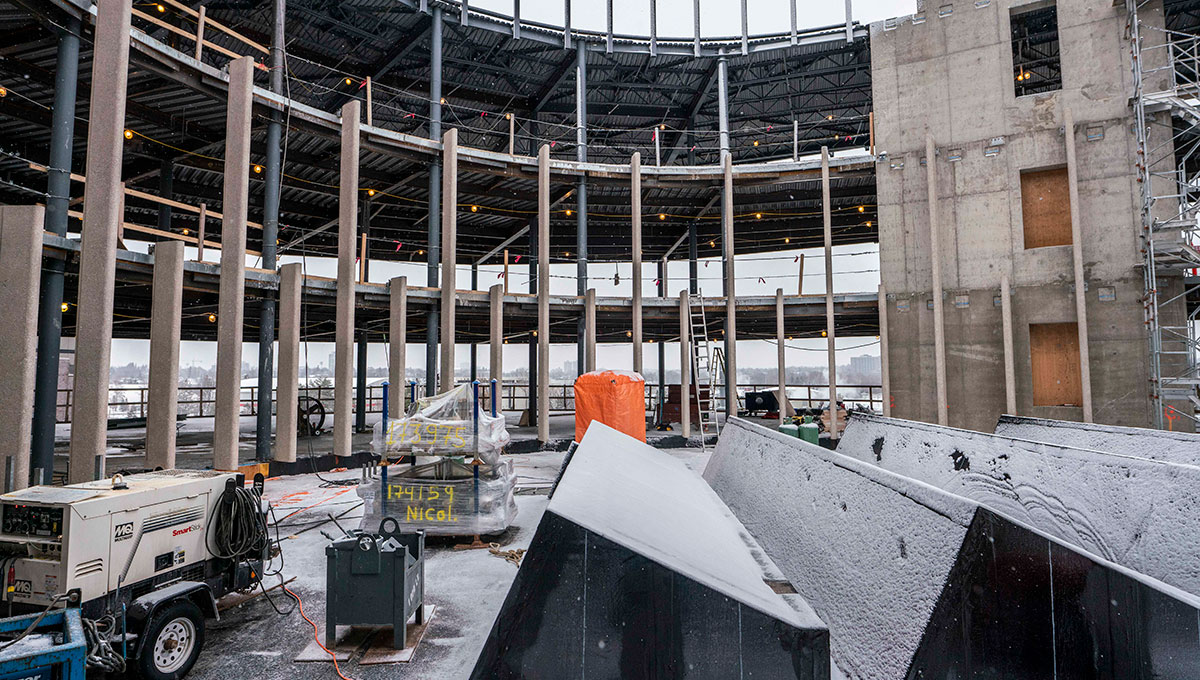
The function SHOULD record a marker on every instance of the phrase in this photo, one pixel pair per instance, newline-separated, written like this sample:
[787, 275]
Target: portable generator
[149, 554]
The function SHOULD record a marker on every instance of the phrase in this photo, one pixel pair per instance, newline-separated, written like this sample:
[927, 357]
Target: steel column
[635, 172]
[496, 340]
[434, 231]
[270, 235]
[781, 352]
[543, 294]
[360, 380]
[581, 216]
[723, 101]
[685, 366]
[58, 190]
[589, 316]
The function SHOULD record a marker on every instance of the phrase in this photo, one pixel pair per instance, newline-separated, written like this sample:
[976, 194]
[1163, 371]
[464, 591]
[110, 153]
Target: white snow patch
[1169, 447]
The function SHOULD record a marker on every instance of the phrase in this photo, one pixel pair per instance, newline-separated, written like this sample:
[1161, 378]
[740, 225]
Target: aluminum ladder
[707, 368]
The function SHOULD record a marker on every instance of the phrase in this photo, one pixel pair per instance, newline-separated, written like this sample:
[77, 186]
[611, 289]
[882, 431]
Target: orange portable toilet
[615, 398]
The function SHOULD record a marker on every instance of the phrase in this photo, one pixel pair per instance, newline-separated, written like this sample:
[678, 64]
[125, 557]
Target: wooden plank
[381, 650]
[1054, 355]
[209, 22]
[164, 234]
[1046, 208]
[179, 31]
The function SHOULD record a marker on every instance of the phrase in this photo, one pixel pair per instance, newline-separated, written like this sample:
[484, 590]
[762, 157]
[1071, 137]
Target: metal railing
[200, 401]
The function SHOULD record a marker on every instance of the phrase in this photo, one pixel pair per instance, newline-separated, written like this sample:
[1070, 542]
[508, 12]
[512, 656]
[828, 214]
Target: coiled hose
[238, 526]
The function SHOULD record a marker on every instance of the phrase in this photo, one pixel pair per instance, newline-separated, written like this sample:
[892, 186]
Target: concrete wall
[953, 77]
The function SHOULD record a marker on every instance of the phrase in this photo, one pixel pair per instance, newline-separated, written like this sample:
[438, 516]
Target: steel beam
[730, 288]
[543, 295]
[581, 213]
[434, 232]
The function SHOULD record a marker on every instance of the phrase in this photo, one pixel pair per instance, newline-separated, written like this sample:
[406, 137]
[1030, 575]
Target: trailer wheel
[171, 641]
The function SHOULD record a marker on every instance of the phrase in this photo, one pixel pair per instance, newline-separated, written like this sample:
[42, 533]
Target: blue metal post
[386, 385]
[495, 396]
[475, 463]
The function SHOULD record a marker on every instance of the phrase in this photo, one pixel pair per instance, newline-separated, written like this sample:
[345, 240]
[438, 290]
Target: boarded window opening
[1037, 66]
[1046, 208]
[1054, 354]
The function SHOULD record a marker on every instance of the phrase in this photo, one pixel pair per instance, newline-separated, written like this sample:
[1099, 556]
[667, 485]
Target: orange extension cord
[316, 633]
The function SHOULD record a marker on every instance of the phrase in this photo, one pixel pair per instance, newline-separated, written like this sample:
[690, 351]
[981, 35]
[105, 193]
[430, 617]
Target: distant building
[866, 364]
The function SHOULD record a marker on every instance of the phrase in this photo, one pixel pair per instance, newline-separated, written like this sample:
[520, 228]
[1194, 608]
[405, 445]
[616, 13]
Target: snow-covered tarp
[1170, 447]
[868, 550]
[446, 424]
[1140, 513]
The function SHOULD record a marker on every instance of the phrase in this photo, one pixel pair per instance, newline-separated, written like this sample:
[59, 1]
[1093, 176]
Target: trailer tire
[171, 641]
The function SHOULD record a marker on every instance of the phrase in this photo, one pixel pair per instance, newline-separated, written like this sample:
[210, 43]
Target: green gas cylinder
[808, 430]
[790, 429]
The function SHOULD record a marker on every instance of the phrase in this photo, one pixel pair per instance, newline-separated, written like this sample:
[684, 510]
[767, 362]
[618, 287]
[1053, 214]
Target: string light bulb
[420, 252]
[712, 244]
[535, 334]
[662, 216]
[212, 317]
[787, 239]
[508, 116]
[65, 307]
[756, 142]
[160, 8]
[370, 192]
[662, 126]
[474, 208]
[128, 134]
[758, 216]
[258, 169]
[442, 100]
[824, 334]
[3, 91]
[349, 81]
[628, 334]
[868, 223]
[862, 208]
[568, 212]
[186, 232]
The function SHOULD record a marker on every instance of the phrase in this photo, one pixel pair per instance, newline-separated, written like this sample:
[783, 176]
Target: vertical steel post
[635, 172]
[723, 102]
[729, 274]
[781, 353]
[270, 237]
[581, 217]
[58, 189]
[685, 366]
[474, 345]
[533, 341]
[360, 388]
[434, 231]
[543, 294]
[662, 352]
[693, 256]
[398, 340]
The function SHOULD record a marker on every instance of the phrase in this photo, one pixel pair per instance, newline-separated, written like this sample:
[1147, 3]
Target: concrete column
[288, 392]
[58, 188]
[830, 326]
[781, 351]
[543, 295]
[1085, 364]
[884, 361]
[935, 251]
[397, 336]
[20, 274]
[347, 231]
[635, 173]
[496, 361]
[685, 366]
[166, 318]
[449, 246]
[727, 247]
[589, 317]
[1010, 372]
[98, 250]
[233, 265]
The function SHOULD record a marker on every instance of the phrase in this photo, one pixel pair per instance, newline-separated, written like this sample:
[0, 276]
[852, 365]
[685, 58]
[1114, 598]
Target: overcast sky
[856, 267]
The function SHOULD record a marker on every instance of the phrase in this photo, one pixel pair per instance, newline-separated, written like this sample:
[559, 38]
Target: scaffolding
[1166, 103]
